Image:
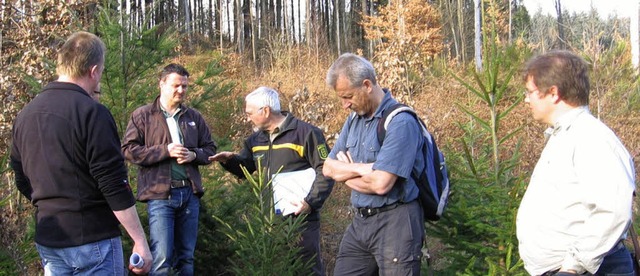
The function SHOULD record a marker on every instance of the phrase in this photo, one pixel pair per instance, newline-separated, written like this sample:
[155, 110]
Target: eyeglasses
[256, 112]
[526, 92]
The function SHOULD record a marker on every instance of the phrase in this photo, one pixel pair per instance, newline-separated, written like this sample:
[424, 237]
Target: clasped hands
[183, 155]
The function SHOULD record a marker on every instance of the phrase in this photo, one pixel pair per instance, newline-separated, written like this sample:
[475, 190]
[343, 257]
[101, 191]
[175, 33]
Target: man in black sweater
[67, 162]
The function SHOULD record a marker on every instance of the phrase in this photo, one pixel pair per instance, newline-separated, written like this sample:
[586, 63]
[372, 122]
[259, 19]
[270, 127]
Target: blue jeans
[173, 231]
[617, 263]
[103, 257]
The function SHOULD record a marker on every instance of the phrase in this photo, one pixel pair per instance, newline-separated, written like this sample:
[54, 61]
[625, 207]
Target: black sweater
[67, 160]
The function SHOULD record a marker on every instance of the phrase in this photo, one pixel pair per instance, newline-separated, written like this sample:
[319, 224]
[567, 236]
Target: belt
[180, 183]
[367, 212]
[550, 272]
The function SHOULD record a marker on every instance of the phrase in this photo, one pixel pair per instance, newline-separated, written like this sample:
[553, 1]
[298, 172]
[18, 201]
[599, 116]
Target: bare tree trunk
[311, 21]
[229, 21]
[285, 22]
[211, 21]
[195, 9]
[347, 22]
[635, 37]
[327, 20]
[187, 18]
[365, 12]
[300, 18]
[449, 12]
[293, 23]
[270, 18]
[246, 22]
[561, 39]
[218, 20]
[122, 51]
[253, 33]
[461, 29]
[337, 9]
[278, 18]
[239, 20]
[261, 9]
[510, 18]
[478, 32]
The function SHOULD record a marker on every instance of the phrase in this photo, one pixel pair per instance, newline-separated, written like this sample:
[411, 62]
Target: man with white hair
[285, 144]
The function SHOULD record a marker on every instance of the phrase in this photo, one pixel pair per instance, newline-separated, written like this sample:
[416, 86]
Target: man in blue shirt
[387, 231]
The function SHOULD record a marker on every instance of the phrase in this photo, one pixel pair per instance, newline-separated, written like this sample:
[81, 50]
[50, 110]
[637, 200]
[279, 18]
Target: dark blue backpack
[433, 180]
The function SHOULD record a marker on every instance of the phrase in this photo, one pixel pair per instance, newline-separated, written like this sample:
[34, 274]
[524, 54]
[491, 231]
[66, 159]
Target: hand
[190, 157]
[302, 207]
[177, 151]
[222, 156]
[143, 250]
[566, 273]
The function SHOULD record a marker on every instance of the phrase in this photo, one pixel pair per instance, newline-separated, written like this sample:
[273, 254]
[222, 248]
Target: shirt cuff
[570, 263]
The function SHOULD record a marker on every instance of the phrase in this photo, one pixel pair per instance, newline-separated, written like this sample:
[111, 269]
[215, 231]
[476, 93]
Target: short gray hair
[355, 68]
[264, 96]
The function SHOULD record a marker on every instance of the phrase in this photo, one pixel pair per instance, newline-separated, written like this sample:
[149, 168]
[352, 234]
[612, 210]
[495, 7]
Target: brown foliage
[408, 35]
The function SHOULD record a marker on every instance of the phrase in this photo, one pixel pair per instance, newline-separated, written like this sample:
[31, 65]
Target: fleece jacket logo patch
[322, 150]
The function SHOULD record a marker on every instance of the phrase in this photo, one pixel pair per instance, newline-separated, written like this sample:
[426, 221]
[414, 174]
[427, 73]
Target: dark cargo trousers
[387, 243]
[310, 245]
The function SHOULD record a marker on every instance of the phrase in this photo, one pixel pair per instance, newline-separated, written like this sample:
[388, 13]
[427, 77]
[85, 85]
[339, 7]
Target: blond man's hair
[79, 53]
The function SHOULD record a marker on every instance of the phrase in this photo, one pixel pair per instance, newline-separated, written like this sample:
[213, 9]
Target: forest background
[455, 61]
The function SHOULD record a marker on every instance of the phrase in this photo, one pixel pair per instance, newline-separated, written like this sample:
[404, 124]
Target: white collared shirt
[578, 203]
[172, 123]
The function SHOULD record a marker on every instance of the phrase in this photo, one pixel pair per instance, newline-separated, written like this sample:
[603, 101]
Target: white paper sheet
[291, 186]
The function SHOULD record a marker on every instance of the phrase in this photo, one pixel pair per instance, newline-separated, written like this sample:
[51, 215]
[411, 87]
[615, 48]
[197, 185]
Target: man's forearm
[342, 171]
[131, 222]
[358, 184]
[376, 182]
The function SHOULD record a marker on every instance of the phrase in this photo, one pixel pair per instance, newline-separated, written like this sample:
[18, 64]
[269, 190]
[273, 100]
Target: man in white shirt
[577, 207]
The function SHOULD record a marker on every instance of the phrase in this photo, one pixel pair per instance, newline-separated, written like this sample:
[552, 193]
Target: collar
[285, 125]
[70, 86]
[279, 127]
[157, 107]
[386, 102]
[564, 122]
[169, 115]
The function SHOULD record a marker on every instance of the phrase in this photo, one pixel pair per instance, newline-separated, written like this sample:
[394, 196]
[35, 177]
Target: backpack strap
[387, 116]
[391, 112]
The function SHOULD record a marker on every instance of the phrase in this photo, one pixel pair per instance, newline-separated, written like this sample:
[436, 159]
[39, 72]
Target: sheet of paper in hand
[291, 186]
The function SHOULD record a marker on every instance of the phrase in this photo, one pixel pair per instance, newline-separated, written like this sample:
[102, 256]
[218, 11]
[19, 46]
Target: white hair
[264, 96]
